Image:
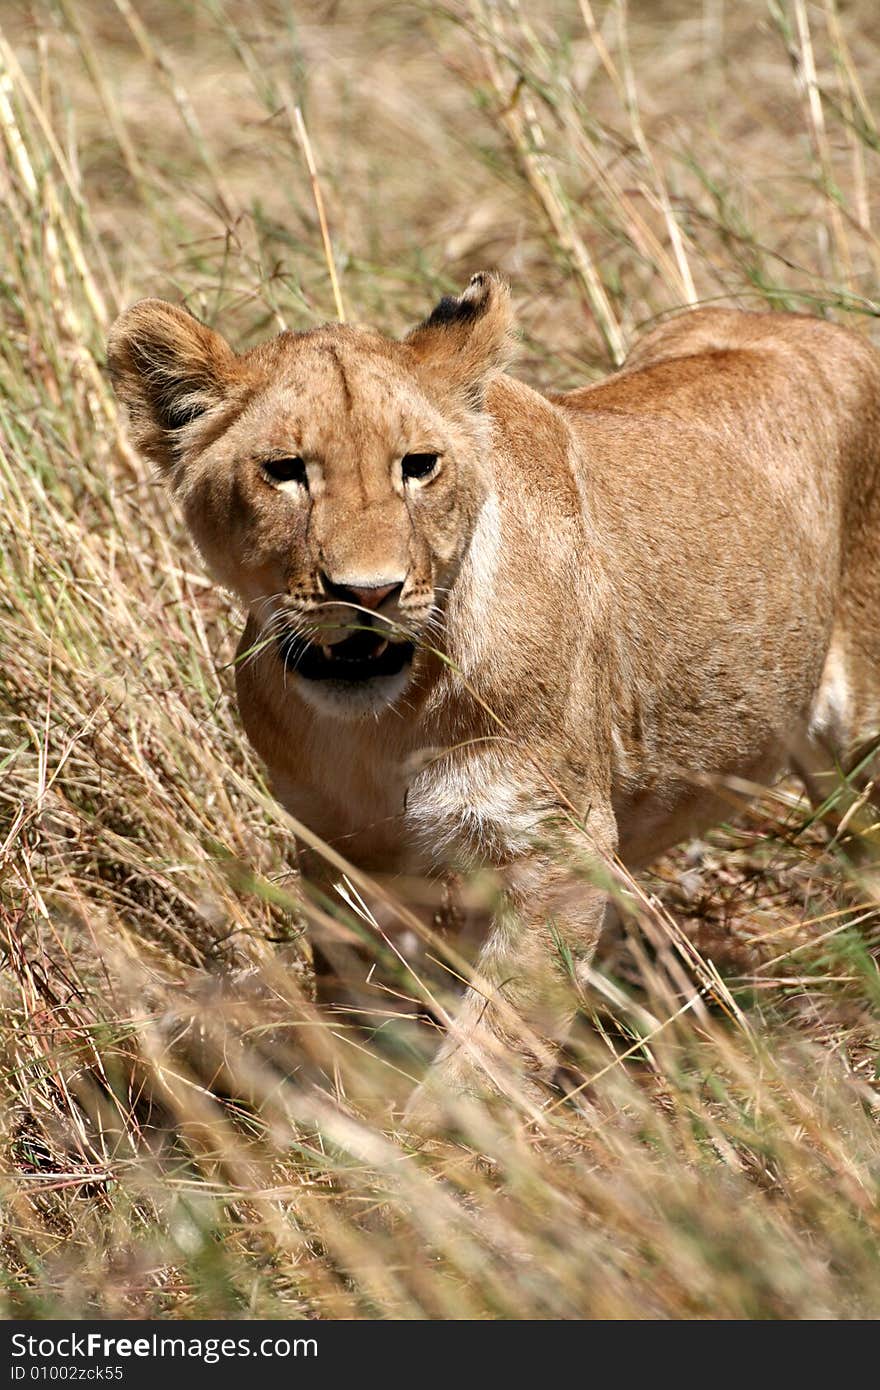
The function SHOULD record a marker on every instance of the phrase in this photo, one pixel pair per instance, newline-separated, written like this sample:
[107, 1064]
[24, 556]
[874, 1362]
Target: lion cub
[491, 626]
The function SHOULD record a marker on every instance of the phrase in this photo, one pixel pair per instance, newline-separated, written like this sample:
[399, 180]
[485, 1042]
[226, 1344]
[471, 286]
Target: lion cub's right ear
[167, 369]
[466, 338]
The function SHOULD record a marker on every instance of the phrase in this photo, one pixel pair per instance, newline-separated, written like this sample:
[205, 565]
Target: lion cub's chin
[352, 700]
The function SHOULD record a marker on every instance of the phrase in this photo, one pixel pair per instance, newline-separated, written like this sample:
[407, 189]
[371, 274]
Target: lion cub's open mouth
[361, 657]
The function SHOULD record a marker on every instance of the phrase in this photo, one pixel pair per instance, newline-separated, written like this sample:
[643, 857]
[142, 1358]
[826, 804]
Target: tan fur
[655, 582]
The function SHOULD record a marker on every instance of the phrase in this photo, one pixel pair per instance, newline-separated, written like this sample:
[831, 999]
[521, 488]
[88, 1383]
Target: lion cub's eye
[291, 470]
[418, 465]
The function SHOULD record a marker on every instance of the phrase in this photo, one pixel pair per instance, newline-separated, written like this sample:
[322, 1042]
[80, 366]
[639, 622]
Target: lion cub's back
[733, 469]
[762, 407]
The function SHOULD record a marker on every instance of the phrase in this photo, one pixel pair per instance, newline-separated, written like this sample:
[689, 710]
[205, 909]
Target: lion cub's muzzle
[355, 635]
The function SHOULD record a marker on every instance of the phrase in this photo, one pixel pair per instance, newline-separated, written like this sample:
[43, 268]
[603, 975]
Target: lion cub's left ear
[167, 369]
[465, 340]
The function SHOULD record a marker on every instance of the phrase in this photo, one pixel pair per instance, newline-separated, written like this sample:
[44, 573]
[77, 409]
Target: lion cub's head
[329, 478]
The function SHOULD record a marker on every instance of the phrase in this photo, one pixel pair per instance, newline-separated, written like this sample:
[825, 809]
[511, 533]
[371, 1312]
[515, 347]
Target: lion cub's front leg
[505, 1036]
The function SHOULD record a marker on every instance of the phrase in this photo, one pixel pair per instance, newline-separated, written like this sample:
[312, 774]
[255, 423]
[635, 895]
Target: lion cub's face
[329, 478]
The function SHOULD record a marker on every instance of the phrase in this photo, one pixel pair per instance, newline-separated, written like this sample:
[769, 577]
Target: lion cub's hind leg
[846, 715]
[838, 758]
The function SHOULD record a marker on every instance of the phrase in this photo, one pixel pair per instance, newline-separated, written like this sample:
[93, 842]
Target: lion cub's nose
[366, 596]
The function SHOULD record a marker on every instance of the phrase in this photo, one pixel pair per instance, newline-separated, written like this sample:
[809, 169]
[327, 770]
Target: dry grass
[182, 1136]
